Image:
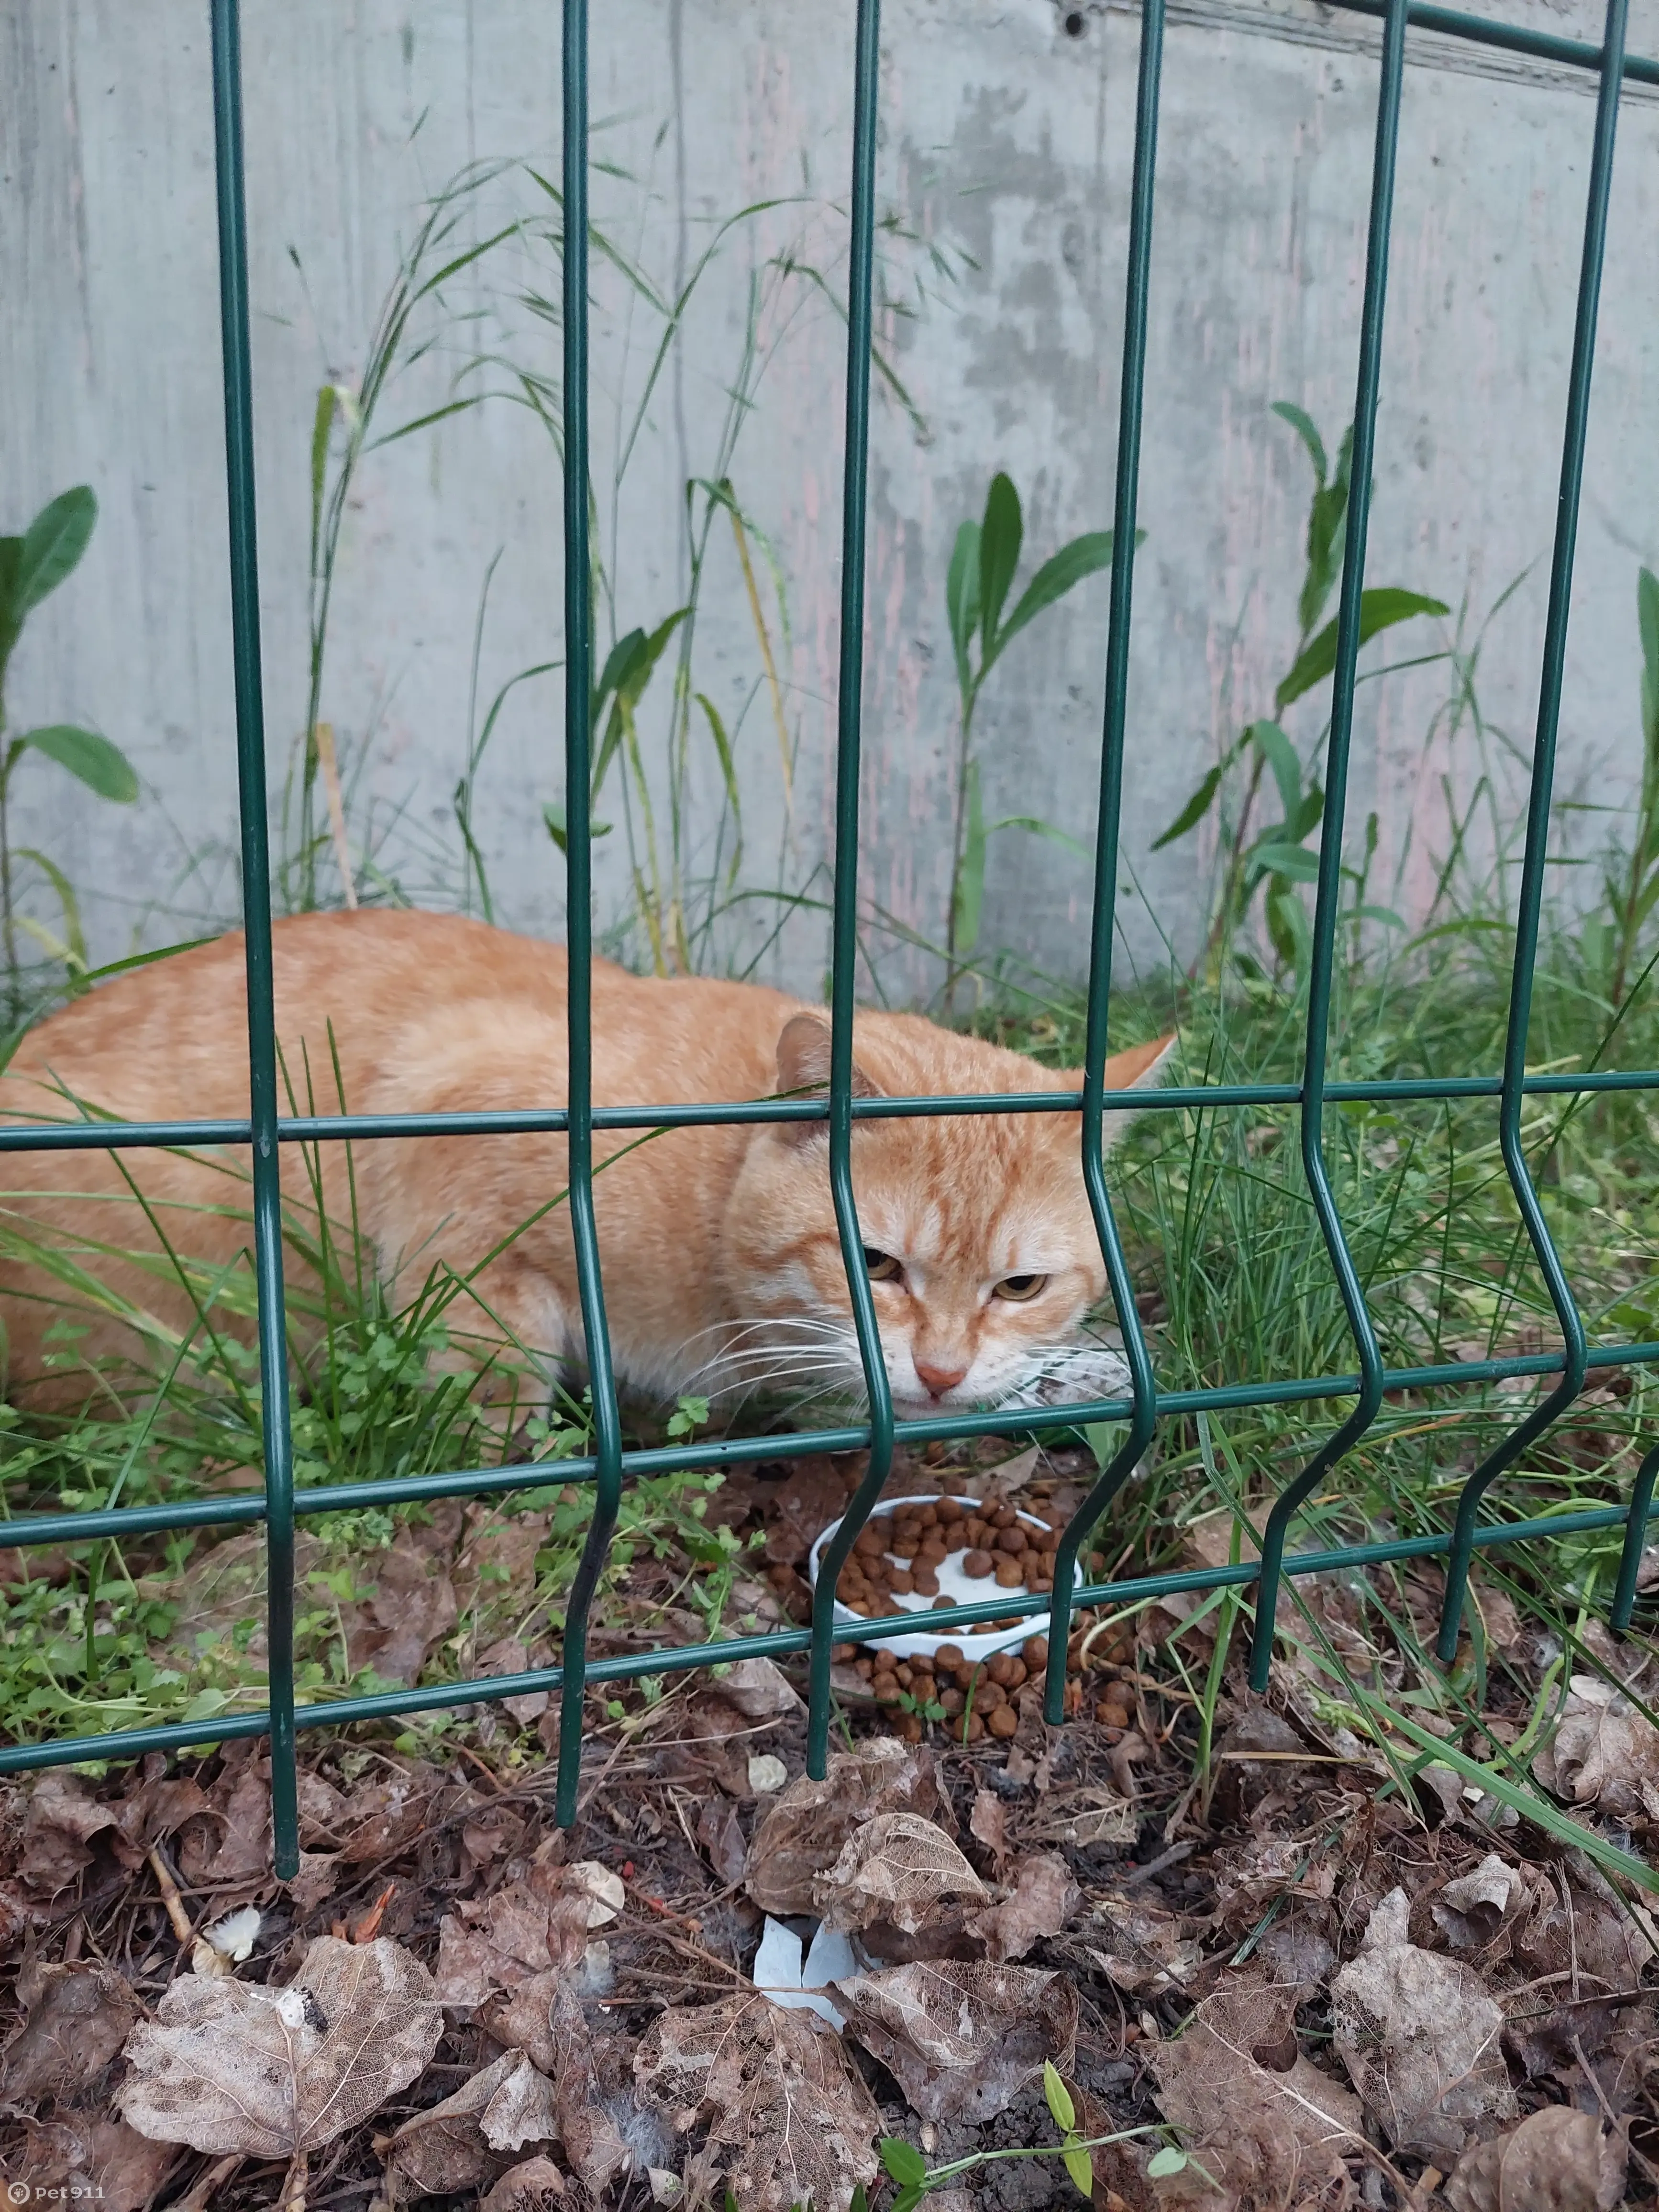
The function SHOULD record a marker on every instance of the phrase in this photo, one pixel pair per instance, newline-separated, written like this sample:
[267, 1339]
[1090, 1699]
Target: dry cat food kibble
[970, 1699]
[898, 1553]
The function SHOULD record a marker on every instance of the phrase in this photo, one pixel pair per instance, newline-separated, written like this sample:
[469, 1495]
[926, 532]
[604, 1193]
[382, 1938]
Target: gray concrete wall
[1004, 158]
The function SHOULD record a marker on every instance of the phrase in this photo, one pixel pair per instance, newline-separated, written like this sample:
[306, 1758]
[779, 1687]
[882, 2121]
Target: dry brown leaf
[1140, 1947]
[1557, 2160]
[962, 2038]
[318, 1878]
[241, 1806]
[721, 1833]
[61, 1821]
[79, 2017]
[1419, 2036]
[592, 2140]
[1244, 1784]
[760, 1690]
[1270, 2133]
[779, 2094]
[383, 1818]
[1085, 1817]
[988, 1821]
[496, 1942]
[1042, 1901]
[442, 2151]
[521, 2111]
[76, 2159]
[536, 2186]
[157, 1808]
[412, 1604]
[229, 2066]
[509, 1655]
[1472, 1910]
[1579, 1932]
[1251, 1876]
[896, 1870]
[1604, 1752]
[802, 1833]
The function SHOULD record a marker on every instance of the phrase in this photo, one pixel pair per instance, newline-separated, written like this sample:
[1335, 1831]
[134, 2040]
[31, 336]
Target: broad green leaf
[1327, 530]
[970, 877]
[1057, 2096]
[1001, 535]
[1102, 1439]
[908, 2199]
[1287, 922]
[1081, 2168]
[1379, 610]
[1166, 2161]
[1057, 575]
[1196, 807]
[1282, 757]
[620, 658]
[628, 669]
[11, 619]
[1306, 815]
[1039, 828]
[1531, 1804]
[52, 544]
[1303, 424]
[962, 597]
[903, 2162]
[1647, 622]
[1293, 862]
[558, 830]
[102, 766]
[1382, 914]
[633, 682]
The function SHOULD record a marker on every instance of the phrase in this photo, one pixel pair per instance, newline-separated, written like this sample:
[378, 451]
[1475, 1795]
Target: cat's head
[977, 1235]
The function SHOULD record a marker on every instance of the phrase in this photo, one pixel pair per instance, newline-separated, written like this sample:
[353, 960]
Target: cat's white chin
[1068, 1375]
[1075, 1375]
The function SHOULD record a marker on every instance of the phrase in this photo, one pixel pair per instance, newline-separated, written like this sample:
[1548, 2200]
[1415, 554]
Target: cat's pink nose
[938, 1380]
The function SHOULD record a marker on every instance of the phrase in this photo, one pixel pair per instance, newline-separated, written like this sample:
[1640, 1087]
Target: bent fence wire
[610, 1466]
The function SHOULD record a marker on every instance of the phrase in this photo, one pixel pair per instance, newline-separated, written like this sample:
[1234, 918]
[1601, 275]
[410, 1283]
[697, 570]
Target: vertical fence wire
[1568, 1319]
[845, 938]
[277, 1437]
[1327, 898]
[579, 926]
[1103, 922]
[1636, 1529]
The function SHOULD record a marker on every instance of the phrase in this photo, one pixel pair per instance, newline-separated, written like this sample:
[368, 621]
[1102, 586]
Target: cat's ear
[803, 1067]
[1139, 1067]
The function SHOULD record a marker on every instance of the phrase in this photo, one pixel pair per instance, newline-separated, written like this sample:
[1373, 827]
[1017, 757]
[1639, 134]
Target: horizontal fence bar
[552, 1120]
[676, 1659]
[243, 1507]
[1510, 38]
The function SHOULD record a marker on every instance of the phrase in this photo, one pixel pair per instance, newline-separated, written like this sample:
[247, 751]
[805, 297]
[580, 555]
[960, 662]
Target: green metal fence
[609, 1465]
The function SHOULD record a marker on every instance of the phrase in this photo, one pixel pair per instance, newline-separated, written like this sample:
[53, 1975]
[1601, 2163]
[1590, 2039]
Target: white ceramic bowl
[960, 1589]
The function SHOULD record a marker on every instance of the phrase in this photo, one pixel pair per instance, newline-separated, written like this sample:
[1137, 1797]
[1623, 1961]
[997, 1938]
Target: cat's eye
[882, 1266]
[1019, 1288]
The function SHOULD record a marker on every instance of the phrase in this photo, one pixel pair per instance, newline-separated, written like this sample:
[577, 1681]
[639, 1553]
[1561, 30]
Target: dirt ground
[1280, 1966]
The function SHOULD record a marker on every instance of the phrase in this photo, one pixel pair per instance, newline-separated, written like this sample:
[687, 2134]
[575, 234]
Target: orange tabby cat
[722, 1268]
